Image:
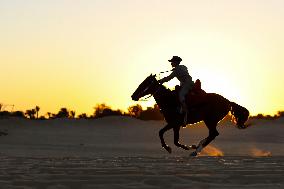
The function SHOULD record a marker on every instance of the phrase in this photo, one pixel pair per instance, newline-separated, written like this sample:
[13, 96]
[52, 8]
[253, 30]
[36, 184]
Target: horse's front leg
[176, 139]
[161, 134]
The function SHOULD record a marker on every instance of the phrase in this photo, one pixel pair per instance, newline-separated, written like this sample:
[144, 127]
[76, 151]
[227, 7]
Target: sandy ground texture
[121, 152]
[142, 172]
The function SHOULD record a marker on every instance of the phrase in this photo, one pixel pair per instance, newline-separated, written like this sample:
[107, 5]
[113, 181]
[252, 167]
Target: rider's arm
[168, 78]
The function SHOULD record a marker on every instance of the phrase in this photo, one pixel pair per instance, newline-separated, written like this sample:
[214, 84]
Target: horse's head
[148, 86]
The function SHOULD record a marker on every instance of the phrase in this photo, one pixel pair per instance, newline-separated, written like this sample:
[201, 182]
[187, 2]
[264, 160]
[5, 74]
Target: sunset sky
[76, 54]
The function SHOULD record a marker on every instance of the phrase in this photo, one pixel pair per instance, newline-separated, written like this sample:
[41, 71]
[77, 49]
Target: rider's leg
[184, 108]
[182, 94]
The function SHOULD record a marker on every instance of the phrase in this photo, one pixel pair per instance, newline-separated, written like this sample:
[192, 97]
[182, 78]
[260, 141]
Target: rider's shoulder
[180, 67]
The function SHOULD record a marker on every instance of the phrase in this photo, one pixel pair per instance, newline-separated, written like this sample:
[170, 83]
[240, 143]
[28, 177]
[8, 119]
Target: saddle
[195, 96]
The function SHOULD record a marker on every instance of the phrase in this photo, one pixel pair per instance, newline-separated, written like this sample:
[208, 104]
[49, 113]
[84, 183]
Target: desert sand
[123, 152]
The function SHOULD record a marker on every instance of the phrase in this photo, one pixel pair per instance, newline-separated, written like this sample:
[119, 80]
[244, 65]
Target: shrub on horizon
[63, 113]
[19, 114]
[280, 113]
[83, 116]
[151, 114]
[5, 114]
[135, 110]
[30, 113]
[102, 110]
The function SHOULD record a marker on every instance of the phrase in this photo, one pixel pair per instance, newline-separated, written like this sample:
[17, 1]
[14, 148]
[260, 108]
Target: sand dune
[128, 136]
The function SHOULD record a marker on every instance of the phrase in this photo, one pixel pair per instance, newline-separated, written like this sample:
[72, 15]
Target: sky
[77, 54]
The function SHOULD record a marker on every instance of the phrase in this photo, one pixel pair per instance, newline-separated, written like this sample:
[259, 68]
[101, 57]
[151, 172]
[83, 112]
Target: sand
[122, 152]
[142, 172]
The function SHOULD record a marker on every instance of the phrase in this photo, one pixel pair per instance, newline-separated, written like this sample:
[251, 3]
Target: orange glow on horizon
[77, 54]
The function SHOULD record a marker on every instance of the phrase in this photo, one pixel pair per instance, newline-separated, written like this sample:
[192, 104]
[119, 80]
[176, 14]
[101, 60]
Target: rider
[186, 83]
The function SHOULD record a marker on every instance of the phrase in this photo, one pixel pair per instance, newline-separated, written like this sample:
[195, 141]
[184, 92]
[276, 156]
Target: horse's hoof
[186, 147]
[193, 154]
[193, 147]
[168, 149]
[3, 133]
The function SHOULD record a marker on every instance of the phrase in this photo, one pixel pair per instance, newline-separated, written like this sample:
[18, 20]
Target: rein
[159, 74]
[146, 98]
[166, 71]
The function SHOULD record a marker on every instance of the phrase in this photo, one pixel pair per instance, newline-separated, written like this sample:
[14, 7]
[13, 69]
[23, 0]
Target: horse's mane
[168, 95]
[164, 87]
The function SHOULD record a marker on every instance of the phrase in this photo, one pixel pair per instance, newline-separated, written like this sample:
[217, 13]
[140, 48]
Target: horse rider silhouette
[186, 83]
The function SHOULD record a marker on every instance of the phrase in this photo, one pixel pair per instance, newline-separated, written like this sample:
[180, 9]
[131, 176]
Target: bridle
[150, 95]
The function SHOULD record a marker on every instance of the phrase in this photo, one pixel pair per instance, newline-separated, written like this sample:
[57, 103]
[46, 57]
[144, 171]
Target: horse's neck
[162, 96]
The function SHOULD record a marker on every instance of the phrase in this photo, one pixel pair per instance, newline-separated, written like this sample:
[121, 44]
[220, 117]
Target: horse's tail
[240, 115]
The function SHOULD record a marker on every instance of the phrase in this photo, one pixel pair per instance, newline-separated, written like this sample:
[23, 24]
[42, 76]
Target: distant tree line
[100, 110]
[103, 110]
[269, 117]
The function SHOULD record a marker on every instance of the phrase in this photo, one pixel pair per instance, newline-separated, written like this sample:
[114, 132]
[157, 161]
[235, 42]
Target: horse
[210, 108]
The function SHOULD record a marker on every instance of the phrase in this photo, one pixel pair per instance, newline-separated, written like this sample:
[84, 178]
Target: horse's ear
[152, 75]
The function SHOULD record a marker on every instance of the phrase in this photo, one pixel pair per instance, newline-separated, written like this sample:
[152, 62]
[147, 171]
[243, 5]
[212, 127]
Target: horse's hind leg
[161, 134]
[176, 139]
[212, 135]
